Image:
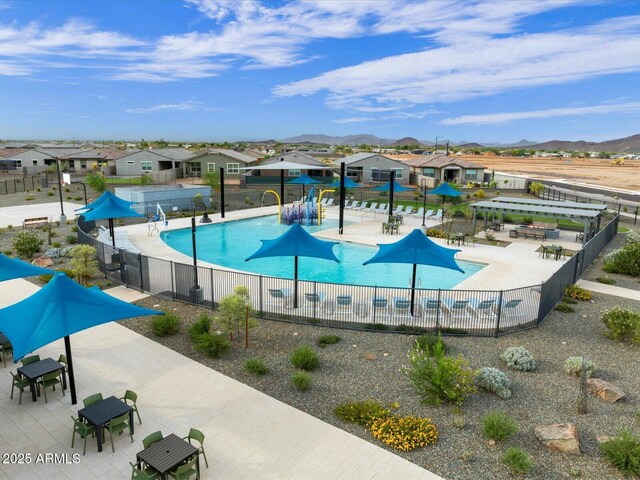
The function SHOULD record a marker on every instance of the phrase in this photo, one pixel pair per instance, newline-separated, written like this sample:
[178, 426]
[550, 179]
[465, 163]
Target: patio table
[102, 412]
[35, 370]
[167, 454]
[459, 236]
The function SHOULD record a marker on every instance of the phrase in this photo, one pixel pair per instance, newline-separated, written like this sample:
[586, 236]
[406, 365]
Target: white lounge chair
[382, 208]
[458, 308]
[323, 202]
[407, 211]
[373, 207]
[484, 308]
[279, 297]
[329, 203]
[344, 304]
[379, 307]
[428, 214]
[314, 300]
[398, 210]
[363, 206]
[418, 213]
[354, 205]
[437, 215]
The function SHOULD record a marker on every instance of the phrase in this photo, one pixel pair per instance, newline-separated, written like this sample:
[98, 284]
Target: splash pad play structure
[308, 212]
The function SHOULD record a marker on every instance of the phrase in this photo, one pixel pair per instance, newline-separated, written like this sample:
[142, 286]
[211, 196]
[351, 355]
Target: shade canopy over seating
[11, 268]
[60, 308]
[303, 180]
[417, 249]
[348, 183]
[445, 190]
[109, 209]
[296, 242]
[552, 203]
[106, 195]
[387, 186]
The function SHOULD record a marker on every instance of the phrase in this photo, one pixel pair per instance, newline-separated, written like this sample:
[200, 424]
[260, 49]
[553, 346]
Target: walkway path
[249, 435]
[610, 290]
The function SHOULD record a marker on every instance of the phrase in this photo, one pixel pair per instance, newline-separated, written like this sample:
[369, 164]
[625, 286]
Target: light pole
[435, 150]
[197, 294]
[423, 187]
[85, 192]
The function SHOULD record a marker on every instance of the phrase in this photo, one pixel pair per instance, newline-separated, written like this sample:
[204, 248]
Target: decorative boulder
[43, 262]
[606, 391]
[561, 437]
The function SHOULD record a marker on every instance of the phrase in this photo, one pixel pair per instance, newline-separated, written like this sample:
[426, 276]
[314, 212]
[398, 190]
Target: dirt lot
[585, 170]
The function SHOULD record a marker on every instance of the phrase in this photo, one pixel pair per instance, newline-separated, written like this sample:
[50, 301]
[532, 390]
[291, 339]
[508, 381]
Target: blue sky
[189, 70]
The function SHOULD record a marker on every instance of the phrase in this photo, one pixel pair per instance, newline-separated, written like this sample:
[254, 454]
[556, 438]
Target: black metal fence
[451, 312]
[614, 205]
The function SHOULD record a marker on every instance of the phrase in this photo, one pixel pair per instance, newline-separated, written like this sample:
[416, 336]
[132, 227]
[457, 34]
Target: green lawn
[124, 180]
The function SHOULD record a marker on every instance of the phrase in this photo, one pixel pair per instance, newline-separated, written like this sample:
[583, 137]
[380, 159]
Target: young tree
[97, 181]
[146, 179]
[536, 188]
[233, 309]
[212, 179]
[84, 263]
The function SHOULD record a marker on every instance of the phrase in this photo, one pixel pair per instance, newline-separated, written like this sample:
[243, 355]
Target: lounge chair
[438, 215]
[382, 208]
[402, 308]
[363, 206]
[314, 300]
[457, 308]
[418, 213]
[483, 308]
[398, 210]
[379, 307]
[329, 203]
[344, 304]
[347, 205]
[323, 202]
[373, 207]
[509, 311]
[354, 205]
[279, 297]
[407, 211]
[429, 213]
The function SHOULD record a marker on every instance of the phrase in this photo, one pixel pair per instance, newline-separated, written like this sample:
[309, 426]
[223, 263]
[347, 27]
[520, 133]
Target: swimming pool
[229, 243]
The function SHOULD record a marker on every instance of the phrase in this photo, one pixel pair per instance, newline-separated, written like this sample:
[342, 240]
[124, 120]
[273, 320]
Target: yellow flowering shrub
[362, 413]
[405, 433]
[578, 293]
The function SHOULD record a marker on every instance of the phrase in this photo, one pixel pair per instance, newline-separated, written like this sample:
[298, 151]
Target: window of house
[295, 173]
[34, 163]
[195, 168]
[131, 162]
[233, 168]
[83, 164]
[146, 166]
[211, 167]
[471, 174]
[429, 172]
[398, 173]
[18, 163]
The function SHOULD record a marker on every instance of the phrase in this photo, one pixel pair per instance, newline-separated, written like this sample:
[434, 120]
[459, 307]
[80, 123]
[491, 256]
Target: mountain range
[622, 145]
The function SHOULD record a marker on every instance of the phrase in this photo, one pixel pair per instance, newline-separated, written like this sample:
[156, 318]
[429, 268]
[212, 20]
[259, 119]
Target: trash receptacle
[44, 182]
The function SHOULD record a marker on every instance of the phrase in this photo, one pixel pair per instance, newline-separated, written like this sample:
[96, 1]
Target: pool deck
[504, 270]
[249, 435]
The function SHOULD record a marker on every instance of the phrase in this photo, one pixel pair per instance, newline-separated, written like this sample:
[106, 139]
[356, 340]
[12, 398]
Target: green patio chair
[50, 380]
[31, 359]
[63, 360]
[151, 439]
[186, 471]
[198, 436]
[19, 383]
[139, 473]
[119, 425]
[6, 350]
[131, 396]
[96, 397]
[84, 430]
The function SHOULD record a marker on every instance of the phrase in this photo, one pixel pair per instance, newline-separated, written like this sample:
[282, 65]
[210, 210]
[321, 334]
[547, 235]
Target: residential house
[308, 166]
[140, 162]
[367, 167]
[444, 168]
[211, 159]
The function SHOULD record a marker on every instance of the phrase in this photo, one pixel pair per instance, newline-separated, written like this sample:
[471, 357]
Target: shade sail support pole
[295, 282]
[72, 380]
[413, 287]
[342, 198]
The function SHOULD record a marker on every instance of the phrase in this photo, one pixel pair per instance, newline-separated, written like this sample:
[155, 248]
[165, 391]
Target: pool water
[228, 244]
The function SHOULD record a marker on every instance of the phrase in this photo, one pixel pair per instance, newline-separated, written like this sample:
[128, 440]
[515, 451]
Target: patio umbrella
[60, 308]
[417, 249]
[445, 190]
[110, 209]
[106, 195]
[296, 242]
[11, 268]
[348, 183]
[303, 180]
[387, 186]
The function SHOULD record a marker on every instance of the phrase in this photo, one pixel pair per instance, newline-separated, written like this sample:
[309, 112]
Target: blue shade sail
[60, 308]
[296, 242]
[110, 208]
[446, 190]
[106, 195]
[417, 249]
[11, 268]
[397, 188]
[303, 180]
[348, 183]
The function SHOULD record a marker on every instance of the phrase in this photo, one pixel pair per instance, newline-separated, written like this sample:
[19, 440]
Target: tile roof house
[308, 165]
[366, 167]
[444, 168]
[139, 162]
[211, 159]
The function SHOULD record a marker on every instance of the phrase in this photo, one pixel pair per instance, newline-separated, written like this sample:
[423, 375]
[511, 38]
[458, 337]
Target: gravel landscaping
[365, 365]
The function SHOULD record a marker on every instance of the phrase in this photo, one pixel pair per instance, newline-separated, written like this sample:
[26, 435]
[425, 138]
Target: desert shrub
[428, 343]
[622, 324]
[577, 293]
[573, 366]
[27, 243]
[200, 326]
[212, 344]
[56, 245]
[569, 300]
[362, 413]
[495, 381]
[564, 308]
[376, 326]
[519, 359]
[517, 460]
[84, 263]
[490, 236]
[74, 229]
[625, 260]
[623, 452]
[405, 433]
[50, 194]
[606, 280]
[437, 377]
[434, 232]
[165, 325]
[53, 253]
[498, 426]
[305, 358]
[256, 366]
[72, 239]
[77, 198]
[480, 194]
[301, 380]
[325, 340]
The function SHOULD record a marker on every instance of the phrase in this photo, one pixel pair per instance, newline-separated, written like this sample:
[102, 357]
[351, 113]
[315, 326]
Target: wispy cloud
[502, 117]
[353, 120]
[164, 107]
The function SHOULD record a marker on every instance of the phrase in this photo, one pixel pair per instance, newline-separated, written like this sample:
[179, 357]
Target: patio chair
[91, 399]
[140, 473]
[151, 439]
[363, 206]
[84, 430]
[418, 213]
[373, 207]
[131, 396]
[437, 215]
[279, 297]
[119, 425]
[379, 307]
[50, 380]
[428, 214]
[509, 309]
[457, 308]
[483, 308]
[407, 211]
[19, 383]
[382, 208]
[31, 359]
[432, 309]
[344, 304]
[402, 307]
[314, 301]
[63, 360]
[186, 471]
[397, 210]
[198, 436]
[323, 202]
[330, 203]
[354, 205]
[347, 205]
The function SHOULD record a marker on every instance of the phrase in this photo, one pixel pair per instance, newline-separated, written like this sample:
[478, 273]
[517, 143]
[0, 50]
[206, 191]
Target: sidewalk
[610, 290]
